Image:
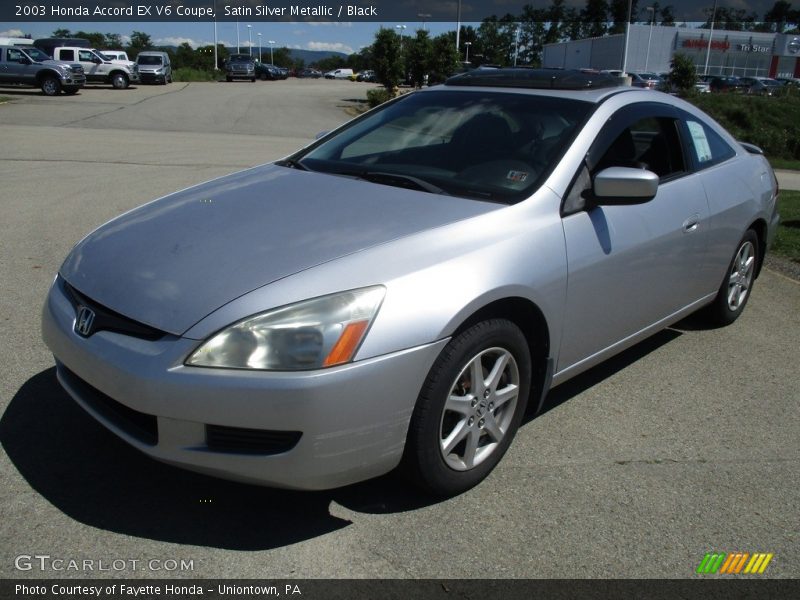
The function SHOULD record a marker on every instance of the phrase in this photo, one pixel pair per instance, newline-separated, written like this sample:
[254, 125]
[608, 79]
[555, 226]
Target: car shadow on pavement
[604, 370]
[95, 478]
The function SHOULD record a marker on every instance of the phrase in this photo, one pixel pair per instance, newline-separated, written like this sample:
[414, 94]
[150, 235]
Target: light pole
[238, 45]
[250, 39]
[216, 58]
[458, 28]
[710, 35]
[650, 9]
[423, 16]
[400, 28]
[259, 47]
[271, 60]
[467, 45]
[627, 38]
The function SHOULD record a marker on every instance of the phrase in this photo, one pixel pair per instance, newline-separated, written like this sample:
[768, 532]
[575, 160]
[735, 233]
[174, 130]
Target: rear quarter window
[707, 147]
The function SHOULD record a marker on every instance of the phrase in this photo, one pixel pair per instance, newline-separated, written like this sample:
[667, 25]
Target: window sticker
[517, 176]
[701, 146]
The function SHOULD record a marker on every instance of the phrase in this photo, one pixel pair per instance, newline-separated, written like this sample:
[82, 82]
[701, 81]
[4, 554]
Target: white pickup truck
[118, 73]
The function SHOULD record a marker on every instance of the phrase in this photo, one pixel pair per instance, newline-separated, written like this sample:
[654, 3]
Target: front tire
[739, 278]
[119, 81]
[469, 408]
[51, 86]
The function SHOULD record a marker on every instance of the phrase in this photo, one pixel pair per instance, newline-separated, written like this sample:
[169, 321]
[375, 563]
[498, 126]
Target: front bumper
[352, 419]
[150, 77]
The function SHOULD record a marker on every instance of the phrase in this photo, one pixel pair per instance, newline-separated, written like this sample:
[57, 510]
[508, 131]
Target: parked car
[791, 81]
[154, 67]
[339, 74]
[726, 83]
[240, 66]
[647, 80]
[702, 86]
[270, 72]
[408, 285]
[367, 76]
[760, 86]
[309, 73]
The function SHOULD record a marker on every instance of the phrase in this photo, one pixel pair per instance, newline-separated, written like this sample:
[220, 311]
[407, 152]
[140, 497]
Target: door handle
[691, 223]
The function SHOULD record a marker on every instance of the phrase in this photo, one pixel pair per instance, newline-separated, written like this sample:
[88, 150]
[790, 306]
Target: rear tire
[469, 408]
[739, 278]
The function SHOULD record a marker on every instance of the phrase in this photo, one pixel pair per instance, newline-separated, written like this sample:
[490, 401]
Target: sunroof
[555, 79]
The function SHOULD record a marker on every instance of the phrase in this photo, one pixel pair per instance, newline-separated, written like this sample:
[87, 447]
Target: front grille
[108, 320]
[138, 425]
[250, 441]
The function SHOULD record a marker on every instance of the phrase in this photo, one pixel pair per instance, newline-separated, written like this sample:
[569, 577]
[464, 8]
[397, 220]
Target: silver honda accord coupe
[399, 292]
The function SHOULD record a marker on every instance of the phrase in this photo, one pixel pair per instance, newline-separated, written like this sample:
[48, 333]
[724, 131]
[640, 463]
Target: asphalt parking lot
[687, 443]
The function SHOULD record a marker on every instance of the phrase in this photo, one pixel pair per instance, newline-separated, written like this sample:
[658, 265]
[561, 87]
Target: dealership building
[651, 48]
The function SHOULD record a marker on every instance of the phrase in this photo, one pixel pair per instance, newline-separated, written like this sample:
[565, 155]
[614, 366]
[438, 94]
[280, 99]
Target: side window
[14, 55]
[85, 56]
[707, 146]
[67, 55]
[650, 143]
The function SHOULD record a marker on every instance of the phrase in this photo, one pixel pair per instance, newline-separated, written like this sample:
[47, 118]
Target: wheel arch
[759, 226]
[526, 315]
[46, 73]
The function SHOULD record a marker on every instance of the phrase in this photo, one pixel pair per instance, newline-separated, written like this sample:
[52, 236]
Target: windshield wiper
[408, 182]
[292, 164]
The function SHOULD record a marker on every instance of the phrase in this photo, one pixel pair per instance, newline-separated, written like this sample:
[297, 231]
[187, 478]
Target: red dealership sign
[718, 45]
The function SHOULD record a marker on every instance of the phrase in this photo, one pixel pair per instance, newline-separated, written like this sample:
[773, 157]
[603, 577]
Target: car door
[95, 69]
[18, 68]
[631, 266]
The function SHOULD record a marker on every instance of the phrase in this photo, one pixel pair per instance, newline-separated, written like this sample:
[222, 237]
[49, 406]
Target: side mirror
[624, 185]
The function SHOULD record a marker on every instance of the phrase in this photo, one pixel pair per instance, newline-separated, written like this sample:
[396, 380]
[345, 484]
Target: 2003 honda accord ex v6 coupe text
[396, 293]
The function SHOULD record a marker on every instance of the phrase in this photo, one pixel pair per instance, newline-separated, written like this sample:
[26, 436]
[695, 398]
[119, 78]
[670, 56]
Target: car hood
[173, 261]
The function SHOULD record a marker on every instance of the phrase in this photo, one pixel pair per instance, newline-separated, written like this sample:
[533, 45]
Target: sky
[333, 36]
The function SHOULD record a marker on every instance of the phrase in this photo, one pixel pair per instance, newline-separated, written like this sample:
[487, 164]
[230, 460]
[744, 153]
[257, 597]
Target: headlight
[317, 333]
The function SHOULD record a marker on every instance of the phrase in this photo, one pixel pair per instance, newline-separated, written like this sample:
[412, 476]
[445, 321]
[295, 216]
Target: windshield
[148, 60]
[485, 145]
[36, 54]
[241, 58]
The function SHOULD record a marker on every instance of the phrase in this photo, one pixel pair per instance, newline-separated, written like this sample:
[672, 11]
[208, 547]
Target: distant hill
[309, 57]
[312, 56]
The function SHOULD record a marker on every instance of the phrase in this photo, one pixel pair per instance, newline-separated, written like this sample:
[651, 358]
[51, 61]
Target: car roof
[566, 83]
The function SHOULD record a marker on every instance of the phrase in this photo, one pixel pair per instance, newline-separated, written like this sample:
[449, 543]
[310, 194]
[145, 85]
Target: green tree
[594, 17]
[140, 41]
[112, 41]
[281, 56]
[418, 55]
[387, 59]
[330, 63]
[618, 11]
[683, 74]
[96, 40]
[667, 16]
[444, 58]
[62, 32]
[185, 57]
[532, 34]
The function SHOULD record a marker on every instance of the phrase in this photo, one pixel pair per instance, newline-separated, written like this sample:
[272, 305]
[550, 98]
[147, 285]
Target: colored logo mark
[734, 563]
